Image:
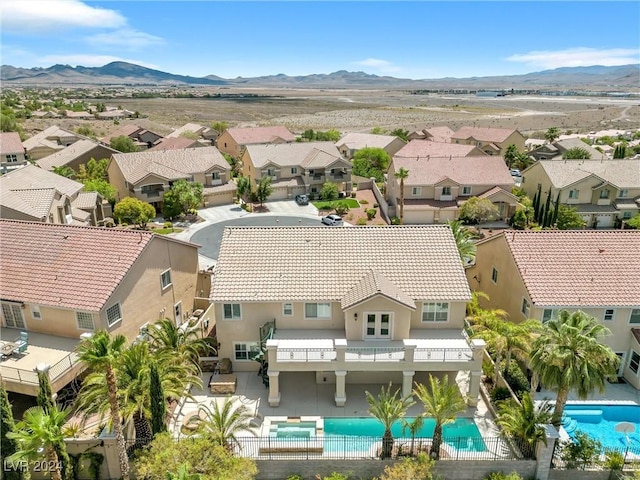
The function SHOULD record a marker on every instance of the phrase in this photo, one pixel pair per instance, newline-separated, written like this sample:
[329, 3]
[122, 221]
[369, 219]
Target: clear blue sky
[402, 39]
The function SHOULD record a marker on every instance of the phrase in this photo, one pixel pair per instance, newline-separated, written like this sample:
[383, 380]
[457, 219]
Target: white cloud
[382, 65]
[49, 15]
[124, 38]
[89, 60]
[577, 57]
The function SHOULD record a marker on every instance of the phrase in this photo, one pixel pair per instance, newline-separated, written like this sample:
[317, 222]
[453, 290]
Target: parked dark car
[302, 199]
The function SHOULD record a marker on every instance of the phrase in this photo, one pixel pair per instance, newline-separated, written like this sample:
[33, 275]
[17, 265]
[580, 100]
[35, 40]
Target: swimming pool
[599, 422]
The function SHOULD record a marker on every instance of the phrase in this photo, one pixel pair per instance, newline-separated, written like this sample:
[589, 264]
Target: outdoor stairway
[569, 423]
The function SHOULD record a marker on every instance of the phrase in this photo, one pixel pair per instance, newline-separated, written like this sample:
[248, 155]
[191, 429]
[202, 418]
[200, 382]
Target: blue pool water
[599, 422]
[293, 430]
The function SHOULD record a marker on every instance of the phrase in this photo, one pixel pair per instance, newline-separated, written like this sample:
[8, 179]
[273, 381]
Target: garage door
[605, 221]
[279, 194]
[417, 217]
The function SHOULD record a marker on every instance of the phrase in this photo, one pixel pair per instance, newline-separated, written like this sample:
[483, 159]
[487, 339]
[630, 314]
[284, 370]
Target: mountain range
[123, 73]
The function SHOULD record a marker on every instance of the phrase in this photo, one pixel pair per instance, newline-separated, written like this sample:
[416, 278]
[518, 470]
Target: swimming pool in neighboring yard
[599, 422]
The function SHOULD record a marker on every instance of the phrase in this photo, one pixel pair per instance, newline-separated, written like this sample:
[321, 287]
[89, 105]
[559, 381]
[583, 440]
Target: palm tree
[38, 433]
[401, 175]
[552, 134]
[183, 342]
[511, 154]
[99, 354]
[474, 307]
[413, 427]
[464, 241]
[523, 421]
[568, 355]
[223, 423]
[442, 401]
[388, 408]
[8, 446]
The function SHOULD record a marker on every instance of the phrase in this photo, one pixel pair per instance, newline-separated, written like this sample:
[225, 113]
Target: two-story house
[67, 281]
[142, 138]
[50, 140]
[492, 141]
[12, 152]
[352, 142]
[535, 274]
[297, 167]
[345, 305]
[436, 187]
[556, 150]
[429, 148]
[604, 192]
[79, 153]
[147, 175]
[204, 135]
[233, 141]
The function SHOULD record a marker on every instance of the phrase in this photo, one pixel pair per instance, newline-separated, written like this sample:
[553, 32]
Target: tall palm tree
[185, 343]
[511, 155]
[523, 421]
[474, 307]
[388, 408]
[442, 401]
[464, 241]
[401, 175]
[38, 433]
[568, 355]
[99, 354]
[223, 423]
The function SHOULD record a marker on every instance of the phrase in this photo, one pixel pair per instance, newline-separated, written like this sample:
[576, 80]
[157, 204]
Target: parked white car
[334, 220]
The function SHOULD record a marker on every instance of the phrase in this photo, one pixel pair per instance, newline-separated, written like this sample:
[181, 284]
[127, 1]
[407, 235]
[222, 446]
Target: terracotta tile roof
[623, 173]
[30, 176]
[439, 134]
[86, 200]
[127, 130]
[587, 268]
[325, 264]
[174, 143]
[372, 284]
[73, 151]
[357, 141]
[65, 266]
[498, 191]
[188, 127]
[10, 143]
[169, 164]
[253, 135]
[428, 148]
[476, 170]
[484, 134]
[303, 154]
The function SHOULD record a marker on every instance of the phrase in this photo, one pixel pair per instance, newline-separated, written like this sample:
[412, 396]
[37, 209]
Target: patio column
[341, 394]
[544, 453]
[407, 383]
[274, 388]
[474, 388]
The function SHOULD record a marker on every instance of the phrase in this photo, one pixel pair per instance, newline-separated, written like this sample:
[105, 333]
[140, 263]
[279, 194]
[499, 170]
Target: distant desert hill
[597, 77]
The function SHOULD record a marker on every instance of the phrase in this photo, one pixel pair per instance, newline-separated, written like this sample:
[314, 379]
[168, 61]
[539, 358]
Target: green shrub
[361, 221]
[395, 221]
[516, 379]
[364, 202]
[168, 224]
[295, 477]
[353, 194]
[614, 460]
[375, 205]
[500, 393]
[342, 208]
[581, 452]
[371, 213]
[503, 476]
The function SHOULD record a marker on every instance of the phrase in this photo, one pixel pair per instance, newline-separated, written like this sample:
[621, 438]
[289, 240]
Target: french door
[378, 325]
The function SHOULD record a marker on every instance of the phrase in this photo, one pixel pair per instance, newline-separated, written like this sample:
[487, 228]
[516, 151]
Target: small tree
[264, 189]
[620, 151]
[580, 452]
[219, 127]
[8, 445]
[371, 162]
[123, 144]
[634, 222]
[243, 187]
[135, 211]
[576, 153]
[158, 402]
[402, 174]
[329, 191]
[183, 197]
[342, 208]
[511, 154]
[401, 133]
[569, 218]
[478, 210]
[94, 170]
[65, 171]
[104, 188]
[552, 134]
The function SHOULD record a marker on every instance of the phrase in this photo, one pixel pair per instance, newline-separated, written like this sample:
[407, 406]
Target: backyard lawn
[330, 204]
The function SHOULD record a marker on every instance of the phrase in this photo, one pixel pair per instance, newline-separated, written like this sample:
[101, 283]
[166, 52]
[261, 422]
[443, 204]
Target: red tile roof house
[492, 141]
[352, 142]
[205, 135]
[437, 186]
[536, 274]
[233, 140]
[66, 281]
[435, 134]
[12, 153]
[429, 148]
[174, 143]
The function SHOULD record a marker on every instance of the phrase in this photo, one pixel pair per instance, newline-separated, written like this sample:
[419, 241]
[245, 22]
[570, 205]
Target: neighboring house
[141, 137]
[391, 308]
[34, 194]
[50, 140]
[233, 141]
[66, 281]
[435, 134]
[75, 155]
[533, 274]
[436, 187]
[555, 150]
[114, 115]
[147, 175]
[79, 115]
[198, 132]
[12, 152]
[45, 114]
[301, 167]
[352, 142]
[175, 143]
[532, 143]
[429, 148]
[492, 141]
[604, 192]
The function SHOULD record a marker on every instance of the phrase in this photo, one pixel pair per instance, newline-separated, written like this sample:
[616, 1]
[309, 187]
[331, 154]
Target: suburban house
[555, 150]
[391, 309]
[78, 115]
[34, 194]
[352, 142]
[175, 143]
[429, 148]
[205, 135]
[604, 192]
[436, 187]
[435, 134]
[79, 153]
[68, 281]
[492, 141]
[142, 138]
[294, 168]
[50, 140]
[12, 152]
[233, 141]
[45, 114]
[147, 175]
[535, 274]
[114, 114]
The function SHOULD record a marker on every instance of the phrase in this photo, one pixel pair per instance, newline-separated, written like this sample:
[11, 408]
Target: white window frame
[553, 315]
[623, 193]
[377, 333]
[446, 191]
[494, 275]
[635, 362]
[318, 311]
[627, 214]
[604, 194]
[164, 285]
[609, 315]
[249, 349]
[525, 307]
[415, 191]
[12, 158]
[234, 315]
[36, 314]
[88, 316]
[17, 316]
[631, 315]
[574, 194]
[466, 191]
[294, 170]
[287, 309]
[430, 309]
[108, 314]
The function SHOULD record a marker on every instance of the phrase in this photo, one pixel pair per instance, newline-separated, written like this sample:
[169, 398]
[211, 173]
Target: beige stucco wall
[116, 179]
[226, 144]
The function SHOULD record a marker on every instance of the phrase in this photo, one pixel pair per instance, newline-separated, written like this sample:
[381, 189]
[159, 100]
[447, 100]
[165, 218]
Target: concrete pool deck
[614, 393]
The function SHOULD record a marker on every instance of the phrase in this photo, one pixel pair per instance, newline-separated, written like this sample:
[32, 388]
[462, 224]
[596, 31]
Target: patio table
[7, 348]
